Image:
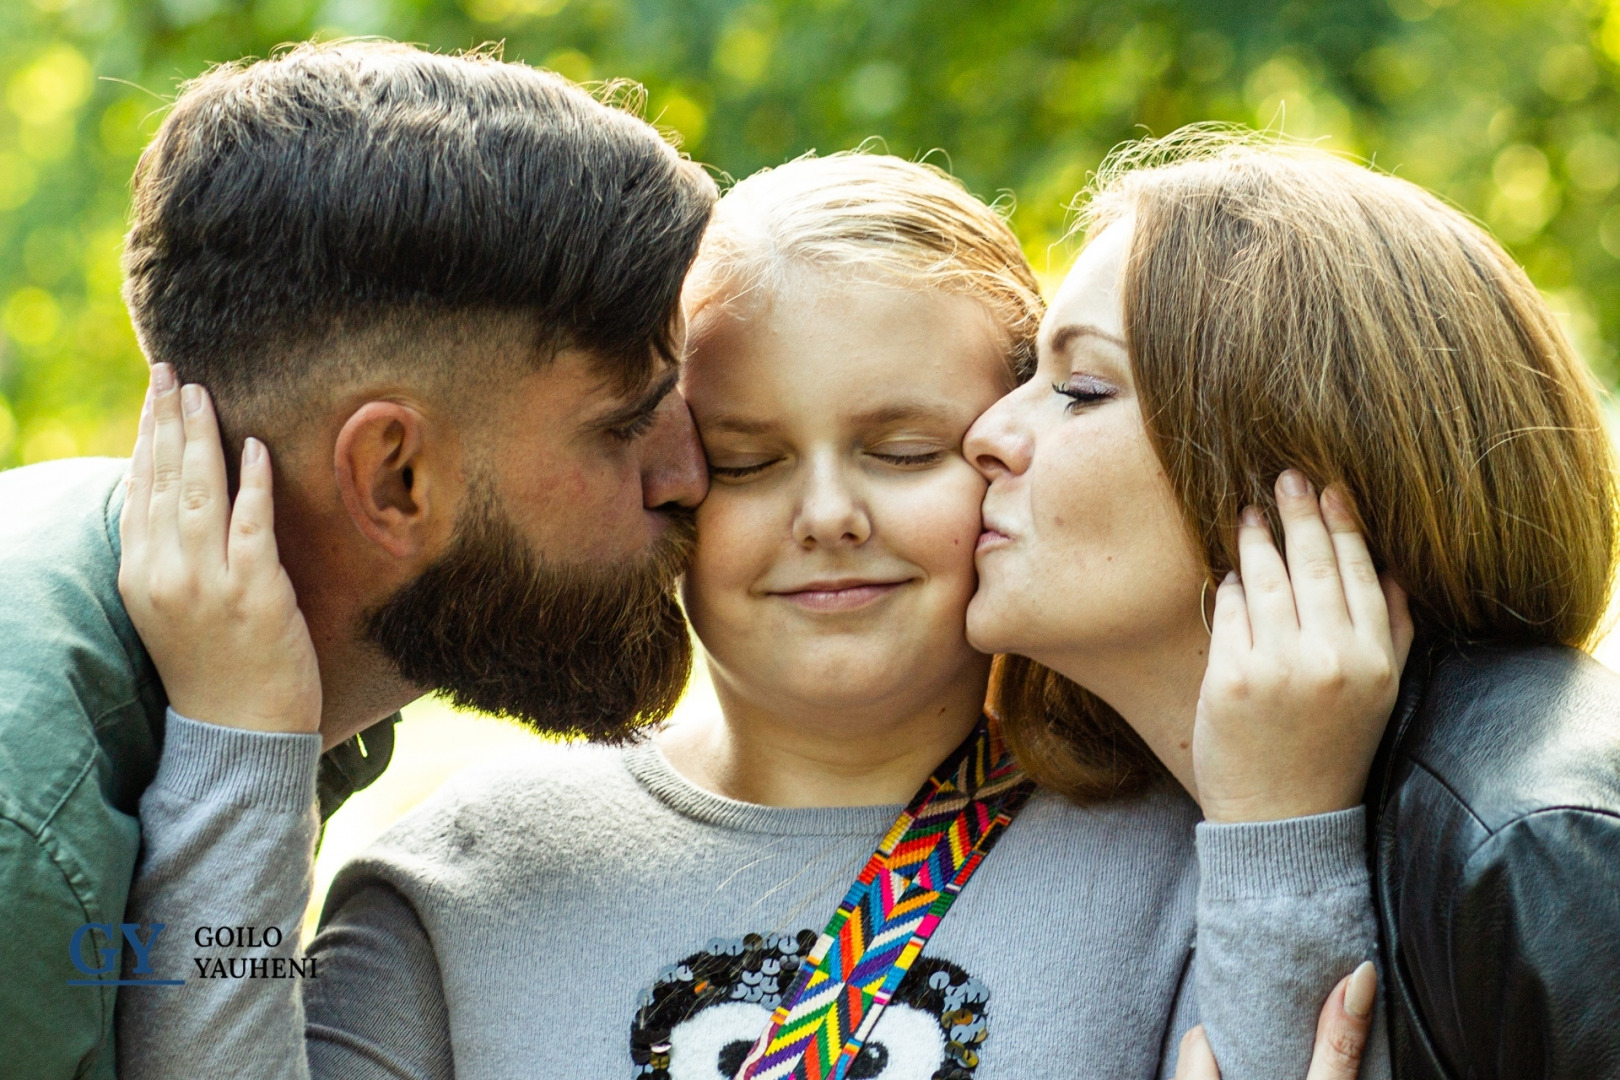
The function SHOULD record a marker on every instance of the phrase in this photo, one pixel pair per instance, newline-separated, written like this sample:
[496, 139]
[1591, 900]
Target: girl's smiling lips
[841, 595]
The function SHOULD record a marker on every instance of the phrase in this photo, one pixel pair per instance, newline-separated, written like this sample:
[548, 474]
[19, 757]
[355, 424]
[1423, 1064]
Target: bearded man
[444, 293]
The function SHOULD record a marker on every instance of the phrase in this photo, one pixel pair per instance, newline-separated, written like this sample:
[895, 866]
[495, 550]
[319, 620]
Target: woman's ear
[397, 479]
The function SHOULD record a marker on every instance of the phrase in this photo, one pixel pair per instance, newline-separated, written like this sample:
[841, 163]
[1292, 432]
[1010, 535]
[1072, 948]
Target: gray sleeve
[1183, 1018]
[229, 827]
[377, 1012]
[1284, 912]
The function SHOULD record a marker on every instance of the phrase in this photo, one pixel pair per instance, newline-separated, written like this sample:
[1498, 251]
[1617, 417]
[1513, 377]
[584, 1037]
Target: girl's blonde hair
[1287, 308]
[872, 218]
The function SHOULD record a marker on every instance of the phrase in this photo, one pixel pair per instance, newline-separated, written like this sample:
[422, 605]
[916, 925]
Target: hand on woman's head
[1305, 660]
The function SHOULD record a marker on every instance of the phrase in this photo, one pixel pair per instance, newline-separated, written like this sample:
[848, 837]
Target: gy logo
[108, 954]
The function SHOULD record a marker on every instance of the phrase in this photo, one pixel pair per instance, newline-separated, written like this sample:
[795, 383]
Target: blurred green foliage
[1507, 107]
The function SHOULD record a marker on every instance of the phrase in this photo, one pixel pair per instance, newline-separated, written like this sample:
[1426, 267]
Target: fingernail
[1294, 484]
[1358, 996]
[1231, 578]
[1336, 499]
[162, 378]
[252, 451]
[191, 398]
[1253, 517]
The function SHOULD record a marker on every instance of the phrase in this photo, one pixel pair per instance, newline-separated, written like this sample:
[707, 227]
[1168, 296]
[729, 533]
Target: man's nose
[673, 468]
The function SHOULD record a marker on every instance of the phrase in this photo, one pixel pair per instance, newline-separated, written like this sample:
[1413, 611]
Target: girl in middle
[667, 910]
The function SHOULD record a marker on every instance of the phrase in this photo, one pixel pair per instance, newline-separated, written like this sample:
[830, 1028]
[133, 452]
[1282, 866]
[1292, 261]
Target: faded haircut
[311, 212]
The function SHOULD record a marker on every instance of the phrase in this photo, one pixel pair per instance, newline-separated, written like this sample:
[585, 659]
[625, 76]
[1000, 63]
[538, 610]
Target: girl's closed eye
[1083, 390]
[908, 454]
[741, 468]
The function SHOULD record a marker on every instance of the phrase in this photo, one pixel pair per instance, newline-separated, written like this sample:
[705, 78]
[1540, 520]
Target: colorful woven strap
[891, 910]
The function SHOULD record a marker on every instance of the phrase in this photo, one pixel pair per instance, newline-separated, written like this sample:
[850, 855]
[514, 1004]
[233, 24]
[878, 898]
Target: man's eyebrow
[1066, 336]
[643, 405]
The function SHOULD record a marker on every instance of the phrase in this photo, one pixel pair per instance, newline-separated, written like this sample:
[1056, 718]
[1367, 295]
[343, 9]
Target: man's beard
[566, 650]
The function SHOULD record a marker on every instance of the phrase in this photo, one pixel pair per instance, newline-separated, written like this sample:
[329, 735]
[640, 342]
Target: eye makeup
[1082, 390]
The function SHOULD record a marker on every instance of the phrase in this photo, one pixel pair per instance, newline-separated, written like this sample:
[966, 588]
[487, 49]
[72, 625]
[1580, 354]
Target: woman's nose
[999, 442]
[830, 514]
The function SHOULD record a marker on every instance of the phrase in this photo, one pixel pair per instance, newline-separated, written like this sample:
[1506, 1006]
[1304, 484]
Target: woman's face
[835, 549]
[1084, 555]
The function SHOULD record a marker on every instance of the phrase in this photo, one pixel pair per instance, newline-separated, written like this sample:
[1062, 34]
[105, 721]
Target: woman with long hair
[1244, 310]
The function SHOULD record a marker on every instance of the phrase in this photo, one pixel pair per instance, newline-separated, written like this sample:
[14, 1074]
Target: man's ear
[397, 477]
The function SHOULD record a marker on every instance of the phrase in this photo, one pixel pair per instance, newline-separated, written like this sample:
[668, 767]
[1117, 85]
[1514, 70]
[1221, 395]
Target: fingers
[1195, 1060]
[1313, 561]
[1270, 596]
[203, 508]
[168, 453]
[1377, 604]
[138, 482]
[1229, 628]
[1363, 596]
[1400, 618]
[252, 543]
[1344, 1024]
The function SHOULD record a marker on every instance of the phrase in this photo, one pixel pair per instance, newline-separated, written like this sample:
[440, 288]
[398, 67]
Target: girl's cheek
[723, 539]
[938, 524]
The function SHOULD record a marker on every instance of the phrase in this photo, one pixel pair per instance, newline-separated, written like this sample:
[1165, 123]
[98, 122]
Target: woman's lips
[990, 539]
[840, 597]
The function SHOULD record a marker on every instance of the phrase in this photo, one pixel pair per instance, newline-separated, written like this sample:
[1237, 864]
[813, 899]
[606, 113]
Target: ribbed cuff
[265, 770]
[1295, 857]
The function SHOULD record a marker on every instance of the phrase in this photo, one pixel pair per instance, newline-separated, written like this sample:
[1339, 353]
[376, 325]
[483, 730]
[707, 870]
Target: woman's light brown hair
[1287, 308]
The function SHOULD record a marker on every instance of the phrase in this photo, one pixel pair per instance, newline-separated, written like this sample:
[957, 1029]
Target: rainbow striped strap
[891, 910]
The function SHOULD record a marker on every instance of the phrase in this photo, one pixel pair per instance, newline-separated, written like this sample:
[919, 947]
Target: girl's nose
[830, 514]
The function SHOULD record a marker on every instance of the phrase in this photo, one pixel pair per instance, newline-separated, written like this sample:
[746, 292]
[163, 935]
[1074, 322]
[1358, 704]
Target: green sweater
[81, 726]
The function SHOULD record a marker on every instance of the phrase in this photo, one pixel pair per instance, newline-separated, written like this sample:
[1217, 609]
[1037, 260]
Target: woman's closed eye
[1083, 390]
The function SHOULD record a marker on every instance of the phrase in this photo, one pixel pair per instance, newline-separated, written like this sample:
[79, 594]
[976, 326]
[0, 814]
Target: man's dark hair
[333, 188]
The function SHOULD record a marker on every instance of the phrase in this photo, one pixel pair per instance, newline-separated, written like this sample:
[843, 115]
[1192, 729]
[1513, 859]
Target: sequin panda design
[703, 1013]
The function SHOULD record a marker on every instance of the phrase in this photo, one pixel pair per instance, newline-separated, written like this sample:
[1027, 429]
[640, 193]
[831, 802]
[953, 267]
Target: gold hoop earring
[1203, 591]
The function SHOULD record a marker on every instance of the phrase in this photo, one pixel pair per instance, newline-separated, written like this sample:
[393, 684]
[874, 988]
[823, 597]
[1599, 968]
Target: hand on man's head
[201, 577]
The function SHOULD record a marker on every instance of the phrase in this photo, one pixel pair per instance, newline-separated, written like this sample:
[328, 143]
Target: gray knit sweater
[569, 915]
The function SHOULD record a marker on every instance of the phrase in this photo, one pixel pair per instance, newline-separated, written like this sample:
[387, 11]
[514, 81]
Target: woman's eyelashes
[1083, 390]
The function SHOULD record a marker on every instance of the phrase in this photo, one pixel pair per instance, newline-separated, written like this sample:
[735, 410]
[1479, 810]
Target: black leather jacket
[1494, 808]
